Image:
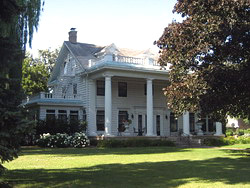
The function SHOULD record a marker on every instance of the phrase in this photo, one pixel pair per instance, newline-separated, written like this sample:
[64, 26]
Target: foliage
[209, 53]
[36, 71]
[55, 125]
[34, 76]
[77, 140]
[133, 142]
[18, 19]
[48, 58]
[219, 141]
[229, 140]
[229, 132]
[237, 132]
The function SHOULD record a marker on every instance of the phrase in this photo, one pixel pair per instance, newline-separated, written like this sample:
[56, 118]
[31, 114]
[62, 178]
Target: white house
[106, 85]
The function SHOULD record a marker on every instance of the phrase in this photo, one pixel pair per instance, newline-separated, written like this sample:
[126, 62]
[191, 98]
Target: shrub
[229, 132]
[134, 142]
[247, 132]
[219, 141]
[54, 126]
[243, 140]
[239, 132]
[77, 140]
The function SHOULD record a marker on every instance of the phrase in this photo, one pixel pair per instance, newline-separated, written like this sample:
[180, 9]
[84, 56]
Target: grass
[129, 167]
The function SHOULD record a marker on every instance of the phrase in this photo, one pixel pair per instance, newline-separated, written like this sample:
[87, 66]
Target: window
[191, 122]
[158, 125]
[64, 90]
[62, 115]
[173, 123]
[73, 116]
[100, 120]
[123, 115]
[84, 115]
[122, 89]
[100, 88]
[145, 89]
[50, 114]
[208, 125]
[74, 89]
[65, 68]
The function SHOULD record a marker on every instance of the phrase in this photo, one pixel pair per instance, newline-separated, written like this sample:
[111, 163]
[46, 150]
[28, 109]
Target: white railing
[125, 59]
[130, 60]
[44, 95]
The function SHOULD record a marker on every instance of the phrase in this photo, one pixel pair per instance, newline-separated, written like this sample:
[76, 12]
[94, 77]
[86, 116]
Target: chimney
[73, 35]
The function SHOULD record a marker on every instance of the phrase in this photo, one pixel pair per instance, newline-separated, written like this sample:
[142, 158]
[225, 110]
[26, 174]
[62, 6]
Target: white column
[218, 129]
[149, 108]
[108, 106]
[91, 115]
[186, 125]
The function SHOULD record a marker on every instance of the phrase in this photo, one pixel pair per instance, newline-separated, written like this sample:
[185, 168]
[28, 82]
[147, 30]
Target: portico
[141, 96]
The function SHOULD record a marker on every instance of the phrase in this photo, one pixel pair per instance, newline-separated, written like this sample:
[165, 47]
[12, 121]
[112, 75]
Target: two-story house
[106, 85]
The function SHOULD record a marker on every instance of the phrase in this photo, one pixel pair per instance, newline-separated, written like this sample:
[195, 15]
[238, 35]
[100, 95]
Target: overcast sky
[134, 24]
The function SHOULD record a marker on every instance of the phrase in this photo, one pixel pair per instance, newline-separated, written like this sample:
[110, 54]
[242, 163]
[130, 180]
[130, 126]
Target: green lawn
[130, 167]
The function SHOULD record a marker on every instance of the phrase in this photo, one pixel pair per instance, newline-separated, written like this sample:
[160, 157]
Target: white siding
[135, 103]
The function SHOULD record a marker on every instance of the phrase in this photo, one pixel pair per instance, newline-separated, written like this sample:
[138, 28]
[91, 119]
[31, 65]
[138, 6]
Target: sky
[133, 24]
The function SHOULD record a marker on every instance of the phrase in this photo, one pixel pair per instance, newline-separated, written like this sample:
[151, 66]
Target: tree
[35, 76]
[36, 71]
[18, 19]
[209, 53]
[48, 57]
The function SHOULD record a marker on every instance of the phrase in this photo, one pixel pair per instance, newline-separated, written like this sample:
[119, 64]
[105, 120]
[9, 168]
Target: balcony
[126, 60]
[52, 96]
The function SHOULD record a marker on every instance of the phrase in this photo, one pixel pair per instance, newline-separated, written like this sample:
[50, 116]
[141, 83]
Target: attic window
[65, 67]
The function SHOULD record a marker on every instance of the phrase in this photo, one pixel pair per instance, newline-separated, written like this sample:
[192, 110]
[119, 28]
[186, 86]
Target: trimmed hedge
[112, 143]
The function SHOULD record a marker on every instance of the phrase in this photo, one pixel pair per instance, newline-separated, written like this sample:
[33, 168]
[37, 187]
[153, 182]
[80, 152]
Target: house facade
[110, 87]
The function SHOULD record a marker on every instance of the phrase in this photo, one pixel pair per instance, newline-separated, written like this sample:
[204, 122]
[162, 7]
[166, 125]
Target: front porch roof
[127, 70]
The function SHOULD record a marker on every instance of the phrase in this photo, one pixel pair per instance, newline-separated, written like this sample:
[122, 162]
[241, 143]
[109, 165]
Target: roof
[83, 51]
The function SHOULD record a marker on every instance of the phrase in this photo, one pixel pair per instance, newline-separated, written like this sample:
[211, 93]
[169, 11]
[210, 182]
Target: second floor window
[65, 68]
[74, 89]
[122, 89]
[100, 88]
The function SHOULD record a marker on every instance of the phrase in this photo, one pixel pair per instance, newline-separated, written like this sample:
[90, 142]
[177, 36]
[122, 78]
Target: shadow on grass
[147, 174]
[99, 151]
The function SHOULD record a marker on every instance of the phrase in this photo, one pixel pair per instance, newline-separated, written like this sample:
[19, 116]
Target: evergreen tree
[18, 19]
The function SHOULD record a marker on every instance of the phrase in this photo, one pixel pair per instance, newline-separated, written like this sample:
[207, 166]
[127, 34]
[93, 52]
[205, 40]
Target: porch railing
[125, 59]
[45, 95]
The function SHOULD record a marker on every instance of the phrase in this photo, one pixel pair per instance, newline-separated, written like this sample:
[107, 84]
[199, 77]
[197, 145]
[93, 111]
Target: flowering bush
[77, 140]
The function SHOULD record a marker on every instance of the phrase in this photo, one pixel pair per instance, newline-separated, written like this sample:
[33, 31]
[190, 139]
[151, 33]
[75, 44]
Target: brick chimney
[73, 35]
